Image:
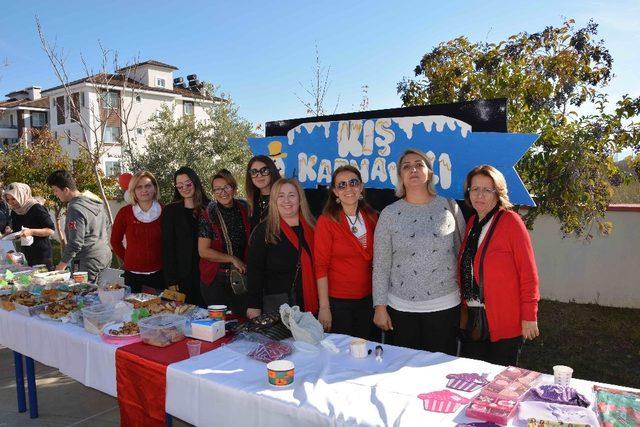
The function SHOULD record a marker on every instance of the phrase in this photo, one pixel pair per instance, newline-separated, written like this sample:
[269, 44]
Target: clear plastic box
[96, 316]
[162, 330]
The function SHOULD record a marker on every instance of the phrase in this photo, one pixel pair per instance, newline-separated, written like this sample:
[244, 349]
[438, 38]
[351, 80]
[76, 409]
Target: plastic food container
[111, 296]
[95, 317]
[162, 330]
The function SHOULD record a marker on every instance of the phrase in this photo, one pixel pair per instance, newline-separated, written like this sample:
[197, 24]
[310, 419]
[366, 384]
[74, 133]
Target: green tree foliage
[206, 146]
[553, 81]
[33, 162]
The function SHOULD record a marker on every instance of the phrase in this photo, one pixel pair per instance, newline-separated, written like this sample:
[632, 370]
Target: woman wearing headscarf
[32, 219]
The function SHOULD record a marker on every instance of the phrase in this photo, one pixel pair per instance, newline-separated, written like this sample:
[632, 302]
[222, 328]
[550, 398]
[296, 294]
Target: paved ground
[61, 400]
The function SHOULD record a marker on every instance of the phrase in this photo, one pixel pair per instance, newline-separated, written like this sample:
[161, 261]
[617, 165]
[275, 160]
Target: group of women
[415, 271]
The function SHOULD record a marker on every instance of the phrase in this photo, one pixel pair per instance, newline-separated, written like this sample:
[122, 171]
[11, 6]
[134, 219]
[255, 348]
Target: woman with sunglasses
[261, 174]
[222, 244]
[343, 254]
[415, 289]
[280, 263]
[180, 235]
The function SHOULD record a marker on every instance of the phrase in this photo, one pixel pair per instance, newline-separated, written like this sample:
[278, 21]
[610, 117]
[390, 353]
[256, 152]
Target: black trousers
[436, 331]
[220, 292]
[502, 352]
[353, 317]
[137, 281]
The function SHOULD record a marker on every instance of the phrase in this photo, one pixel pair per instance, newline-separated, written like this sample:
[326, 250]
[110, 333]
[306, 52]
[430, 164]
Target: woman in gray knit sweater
[415, 290]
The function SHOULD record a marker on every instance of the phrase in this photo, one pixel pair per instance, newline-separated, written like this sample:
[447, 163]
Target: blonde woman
[140, 224]
[280, 263]
[415, 289]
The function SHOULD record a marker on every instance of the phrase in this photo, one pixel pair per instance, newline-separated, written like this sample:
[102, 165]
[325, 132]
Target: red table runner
[141, 377]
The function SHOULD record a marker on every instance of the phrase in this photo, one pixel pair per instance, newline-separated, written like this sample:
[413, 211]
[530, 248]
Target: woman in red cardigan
[504, 279]
[140, 224]
[343, 255]
[220, 253]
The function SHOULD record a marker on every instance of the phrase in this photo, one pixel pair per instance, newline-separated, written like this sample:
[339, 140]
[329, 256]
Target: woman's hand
[381, 318]
[253, 312]
[26, 232]
[324, 317]
[530, 329]
[237, 263]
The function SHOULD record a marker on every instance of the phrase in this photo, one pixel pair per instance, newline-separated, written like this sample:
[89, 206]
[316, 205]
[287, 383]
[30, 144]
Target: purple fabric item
[478, 424]
[558, 394]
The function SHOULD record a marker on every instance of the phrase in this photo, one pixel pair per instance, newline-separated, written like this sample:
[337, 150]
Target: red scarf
[309, 287]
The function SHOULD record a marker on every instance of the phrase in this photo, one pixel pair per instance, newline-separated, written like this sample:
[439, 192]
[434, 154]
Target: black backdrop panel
[483, 116]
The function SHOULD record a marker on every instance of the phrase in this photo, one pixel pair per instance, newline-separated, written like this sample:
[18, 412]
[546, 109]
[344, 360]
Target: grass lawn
[599, 343]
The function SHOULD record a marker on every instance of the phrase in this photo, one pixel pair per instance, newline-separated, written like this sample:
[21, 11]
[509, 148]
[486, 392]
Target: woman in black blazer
[180, 235]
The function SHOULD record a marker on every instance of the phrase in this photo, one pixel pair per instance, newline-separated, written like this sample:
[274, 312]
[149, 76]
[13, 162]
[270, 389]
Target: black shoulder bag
[477, 328]
[238, 280]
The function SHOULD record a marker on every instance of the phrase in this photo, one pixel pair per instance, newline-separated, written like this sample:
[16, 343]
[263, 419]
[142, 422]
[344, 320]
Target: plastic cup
[358, 348]
[280, 373]
[81, 277]
[217, 311]
[562, 375]
[194, 347]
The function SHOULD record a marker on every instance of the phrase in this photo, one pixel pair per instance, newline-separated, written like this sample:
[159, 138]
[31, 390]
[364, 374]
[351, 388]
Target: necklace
[354, 227]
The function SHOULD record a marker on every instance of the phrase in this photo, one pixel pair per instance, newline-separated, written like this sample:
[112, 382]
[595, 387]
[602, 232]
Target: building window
[38, 119]
[11, 120]
[74, 107]
[160, 82]
[112, 168]
[82, 100]
[140, 131]
[111, 134]
[138, 98]
[188, 108]
[110, 100]
[60, 109]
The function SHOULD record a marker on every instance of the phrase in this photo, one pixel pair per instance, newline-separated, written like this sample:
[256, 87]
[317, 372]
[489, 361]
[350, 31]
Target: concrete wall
[604, 271]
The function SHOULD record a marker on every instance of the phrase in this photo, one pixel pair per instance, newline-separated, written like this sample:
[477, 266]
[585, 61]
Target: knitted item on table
[467, 382]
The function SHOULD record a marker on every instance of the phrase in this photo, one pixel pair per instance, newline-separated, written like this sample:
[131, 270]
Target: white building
[21, 111]
[104, 100]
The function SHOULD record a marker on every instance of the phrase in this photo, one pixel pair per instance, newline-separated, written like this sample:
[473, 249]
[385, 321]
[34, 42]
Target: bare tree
[317, 89]
[116, 94]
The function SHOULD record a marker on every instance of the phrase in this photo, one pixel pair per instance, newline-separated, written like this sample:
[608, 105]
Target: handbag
[238, 280]
[477, 328]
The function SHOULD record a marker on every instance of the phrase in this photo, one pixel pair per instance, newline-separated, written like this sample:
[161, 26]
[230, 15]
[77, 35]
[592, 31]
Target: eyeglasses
[264, 171]
[481, 191]
[219, 190]
[184, 186]
[354, 182]
[419, 164]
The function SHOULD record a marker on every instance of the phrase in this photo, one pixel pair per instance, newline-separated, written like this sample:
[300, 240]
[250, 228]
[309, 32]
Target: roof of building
[17, 92]
[118, 80]
[149, 62]
[26, 103]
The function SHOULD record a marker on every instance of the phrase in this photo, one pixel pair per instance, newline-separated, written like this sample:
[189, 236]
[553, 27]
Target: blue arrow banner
[311, 151]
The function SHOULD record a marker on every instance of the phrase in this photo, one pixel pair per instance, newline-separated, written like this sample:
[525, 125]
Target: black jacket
[179, 244]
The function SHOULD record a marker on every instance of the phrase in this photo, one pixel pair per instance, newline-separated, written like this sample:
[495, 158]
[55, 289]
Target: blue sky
[259, 51]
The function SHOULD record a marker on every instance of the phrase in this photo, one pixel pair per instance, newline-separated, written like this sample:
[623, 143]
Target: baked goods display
[143, 300]
[25, 298]
[124, 329]
[51, 277]
[162, 330]
[60, 309]
[169, 307]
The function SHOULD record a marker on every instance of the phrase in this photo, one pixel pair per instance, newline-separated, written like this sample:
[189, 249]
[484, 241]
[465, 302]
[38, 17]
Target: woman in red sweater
[136, 234]
[343, 256]
[497, 271]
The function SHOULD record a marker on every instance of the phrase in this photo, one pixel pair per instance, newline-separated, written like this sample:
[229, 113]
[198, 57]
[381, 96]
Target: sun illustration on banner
[313, 150]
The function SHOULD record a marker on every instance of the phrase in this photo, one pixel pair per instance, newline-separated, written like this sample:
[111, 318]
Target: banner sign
[311, 151]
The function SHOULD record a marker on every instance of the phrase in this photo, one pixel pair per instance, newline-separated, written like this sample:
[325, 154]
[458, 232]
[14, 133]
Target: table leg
[168, 419]
[19, 370]
[31, 383]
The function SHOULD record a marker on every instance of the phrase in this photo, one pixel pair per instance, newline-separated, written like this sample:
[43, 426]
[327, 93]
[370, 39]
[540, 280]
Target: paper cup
[217, 311]
[280, 372]
[358, 348]
[562, 375]
[81, 277]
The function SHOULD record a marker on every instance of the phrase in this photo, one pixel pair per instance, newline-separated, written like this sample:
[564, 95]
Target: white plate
[118, 325]
[12, 236]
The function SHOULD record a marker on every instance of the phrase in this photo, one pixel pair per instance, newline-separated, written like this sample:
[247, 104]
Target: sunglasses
[354, 182]
[264, 171]
[219, 190]
[187, 185]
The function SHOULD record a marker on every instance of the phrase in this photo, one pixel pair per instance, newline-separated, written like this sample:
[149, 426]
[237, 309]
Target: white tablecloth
[69, 348]
[224, 387]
